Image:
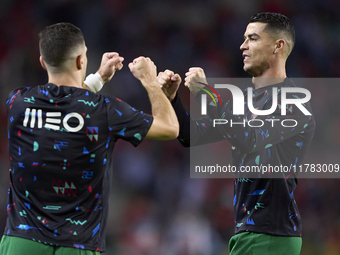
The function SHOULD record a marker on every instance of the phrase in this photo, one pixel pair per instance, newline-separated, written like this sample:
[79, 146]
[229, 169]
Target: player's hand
[194, 77]
[169, 82]
[144, 70]
[111, 62]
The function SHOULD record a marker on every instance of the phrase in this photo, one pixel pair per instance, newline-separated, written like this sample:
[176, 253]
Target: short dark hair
[57, 41]
[277, 23]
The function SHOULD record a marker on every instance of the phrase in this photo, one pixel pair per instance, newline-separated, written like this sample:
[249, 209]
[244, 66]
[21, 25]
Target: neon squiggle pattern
[88, 103]
[76, 222]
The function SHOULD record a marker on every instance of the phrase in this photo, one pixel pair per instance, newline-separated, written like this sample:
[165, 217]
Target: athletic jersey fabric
[60, 146]
[262, 205]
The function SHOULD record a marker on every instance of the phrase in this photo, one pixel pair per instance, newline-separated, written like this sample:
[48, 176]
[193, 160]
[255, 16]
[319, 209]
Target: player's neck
[66, 79]
[269, 77]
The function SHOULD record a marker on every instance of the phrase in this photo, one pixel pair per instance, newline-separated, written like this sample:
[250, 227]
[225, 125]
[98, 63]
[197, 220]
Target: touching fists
[165, 124]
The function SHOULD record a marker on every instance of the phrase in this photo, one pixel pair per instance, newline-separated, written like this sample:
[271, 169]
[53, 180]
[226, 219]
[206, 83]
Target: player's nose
[244, 45]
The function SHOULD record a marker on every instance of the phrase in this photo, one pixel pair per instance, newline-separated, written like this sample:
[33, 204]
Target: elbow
[173, 132]
[170, 134]
[163, 130]
[176, 132]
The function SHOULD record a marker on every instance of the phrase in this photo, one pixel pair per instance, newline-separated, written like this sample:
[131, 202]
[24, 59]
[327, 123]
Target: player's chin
[246, 67]
[249, 69]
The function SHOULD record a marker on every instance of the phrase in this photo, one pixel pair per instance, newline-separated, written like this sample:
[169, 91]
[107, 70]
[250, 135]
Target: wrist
[150, 82]
[94, 82]
[172, 97]
[102, 76]
[175, 99]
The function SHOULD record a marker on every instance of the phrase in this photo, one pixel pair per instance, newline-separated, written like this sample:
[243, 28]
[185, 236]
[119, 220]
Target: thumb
[176, 77]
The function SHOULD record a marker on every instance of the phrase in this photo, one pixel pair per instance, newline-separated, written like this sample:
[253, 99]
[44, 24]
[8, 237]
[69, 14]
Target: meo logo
[52, 120]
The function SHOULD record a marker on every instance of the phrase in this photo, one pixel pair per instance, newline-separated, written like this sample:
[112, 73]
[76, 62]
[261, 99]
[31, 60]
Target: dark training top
[262, 204]
[60, 147]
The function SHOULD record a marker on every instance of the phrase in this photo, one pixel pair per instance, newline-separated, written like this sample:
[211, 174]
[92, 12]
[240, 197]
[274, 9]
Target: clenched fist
[194, 79]
[111, 62]
[143, 69]
[169, 82]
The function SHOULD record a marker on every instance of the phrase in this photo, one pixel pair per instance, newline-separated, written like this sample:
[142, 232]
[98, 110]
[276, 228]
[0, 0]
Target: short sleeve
[12, 96]
[125, 122]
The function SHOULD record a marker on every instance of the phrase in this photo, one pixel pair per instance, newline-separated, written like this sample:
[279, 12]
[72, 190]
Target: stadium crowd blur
[155, 207]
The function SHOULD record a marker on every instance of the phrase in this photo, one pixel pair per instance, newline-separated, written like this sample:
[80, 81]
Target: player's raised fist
[143, 69]
[195, 78]
[111, 62]
[169, 81]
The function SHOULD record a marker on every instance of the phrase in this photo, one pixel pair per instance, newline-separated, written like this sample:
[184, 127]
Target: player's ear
[279, 45]
[80, 61]
[42, 62]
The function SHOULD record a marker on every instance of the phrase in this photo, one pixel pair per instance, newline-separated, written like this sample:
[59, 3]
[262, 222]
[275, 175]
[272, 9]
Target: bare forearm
[162, 109]
[165, 125]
